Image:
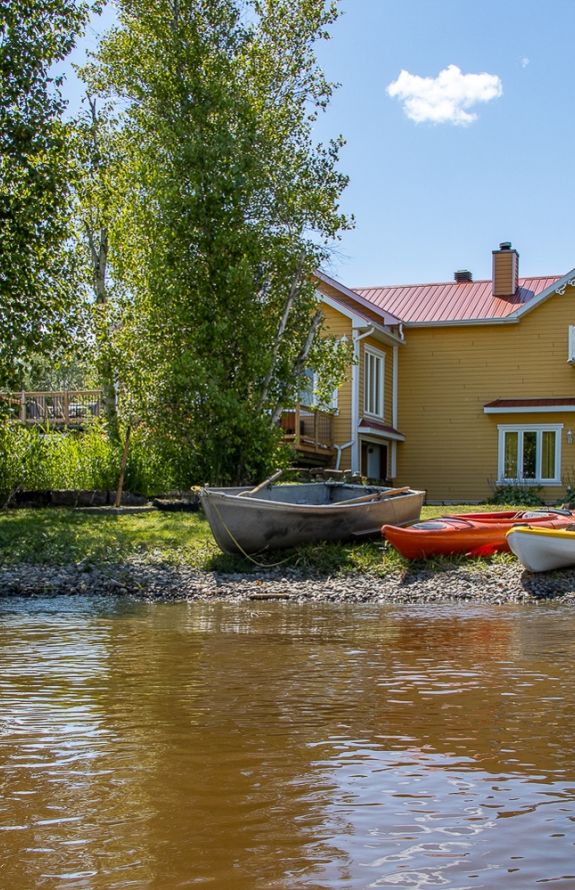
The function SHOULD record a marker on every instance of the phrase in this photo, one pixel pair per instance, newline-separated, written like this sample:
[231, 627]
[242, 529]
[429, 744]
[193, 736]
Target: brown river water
[281, 746]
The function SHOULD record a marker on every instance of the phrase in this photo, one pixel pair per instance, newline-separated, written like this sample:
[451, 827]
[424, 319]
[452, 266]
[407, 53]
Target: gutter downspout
[355, 397]
[339, 449]
[394, 411]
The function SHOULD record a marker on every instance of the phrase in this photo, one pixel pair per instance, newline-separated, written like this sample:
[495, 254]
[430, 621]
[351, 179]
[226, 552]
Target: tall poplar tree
[36, 292]
[95, 205]
[228, 208]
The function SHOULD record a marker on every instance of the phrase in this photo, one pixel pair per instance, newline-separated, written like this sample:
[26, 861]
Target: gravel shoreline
[496, 584]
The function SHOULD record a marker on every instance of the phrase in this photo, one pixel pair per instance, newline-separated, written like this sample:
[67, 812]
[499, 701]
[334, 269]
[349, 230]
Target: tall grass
[36, 459]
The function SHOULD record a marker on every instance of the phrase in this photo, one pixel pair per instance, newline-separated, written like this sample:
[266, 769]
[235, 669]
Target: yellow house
[459, 385]
[360, 432]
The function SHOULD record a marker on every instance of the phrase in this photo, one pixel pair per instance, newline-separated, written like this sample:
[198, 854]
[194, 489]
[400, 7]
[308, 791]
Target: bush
[516, 493]
[36, 459]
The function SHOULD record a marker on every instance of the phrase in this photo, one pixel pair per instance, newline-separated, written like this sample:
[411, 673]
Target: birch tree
[96, 148]
[228, 209]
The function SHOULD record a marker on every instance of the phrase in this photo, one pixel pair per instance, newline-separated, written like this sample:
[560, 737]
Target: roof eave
[460, 322]
[362, 322]
[558, 287]
[361, 301]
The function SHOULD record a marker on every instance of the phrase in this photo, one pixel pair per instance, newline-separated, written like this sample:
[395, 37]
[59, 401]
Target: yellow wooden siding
[447, 375]
[339, 325]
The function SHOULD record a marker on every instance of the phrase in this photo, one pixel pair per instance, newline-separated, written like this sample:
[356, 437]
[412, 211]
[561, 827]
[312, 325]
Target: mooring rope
[262, 565]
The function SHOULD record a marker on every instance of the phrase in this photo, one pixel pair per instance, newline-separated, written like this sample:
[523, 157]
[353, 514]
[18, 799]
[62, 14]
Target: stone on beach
[495, 583]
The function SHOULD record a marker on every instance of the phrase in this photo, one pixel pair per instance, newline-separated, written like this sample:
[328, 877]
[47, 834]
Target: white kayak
[543, 549]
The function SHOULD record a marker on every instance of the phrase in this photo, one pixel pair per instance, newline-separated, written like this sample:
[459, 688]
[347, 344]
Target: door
[374, 461]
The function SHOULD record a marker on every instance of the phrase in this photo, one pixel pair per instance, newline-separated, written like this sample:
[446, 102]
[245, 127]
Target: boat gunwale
[528, 529]
[308, 508]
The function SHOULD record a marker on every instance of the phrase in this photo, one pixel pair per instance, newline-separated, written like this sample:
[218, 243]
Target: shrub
[516, 493]
[38, 458]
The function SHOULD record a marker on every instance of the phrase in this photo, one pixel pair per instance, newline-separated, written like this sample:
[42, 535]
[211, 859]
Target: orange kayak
[475, 534]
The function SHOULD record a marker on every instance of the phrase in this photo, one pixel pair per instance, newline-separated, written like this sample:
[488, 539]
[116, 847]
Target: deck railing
[308, 429]
[72, 407]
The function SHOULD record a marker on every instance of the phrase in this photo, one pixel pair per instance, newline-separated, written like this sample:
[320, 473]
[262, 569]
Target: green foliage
[37, 295]
[225, 210]
[37, 459]
[515, 493]
[48, 374]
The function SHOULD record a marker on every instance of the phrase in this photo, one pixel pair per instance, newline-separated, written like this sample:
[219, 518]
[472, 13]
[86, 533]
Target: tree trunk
[99, 245]
[99, 252]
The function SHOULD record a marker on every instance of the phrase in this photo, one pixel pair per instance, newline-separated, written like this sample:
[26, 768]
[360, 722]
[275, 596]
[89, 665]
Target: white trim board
[539, 409]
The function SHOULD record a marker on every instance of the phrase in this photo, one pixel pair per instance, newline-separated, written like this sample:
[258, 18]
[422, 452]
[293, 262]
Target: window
[571, 345]
[374, 377]
[530, 454]
[308, 394]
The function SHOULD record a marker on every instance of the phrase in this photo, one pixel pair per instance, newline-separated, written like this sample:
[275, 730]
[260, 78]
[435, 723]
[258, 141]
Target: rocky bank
[481, 583]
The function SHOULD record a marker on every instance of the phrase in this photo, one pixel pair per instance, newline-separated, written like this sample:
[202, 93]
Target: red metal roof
[367, 423]
[453, 301]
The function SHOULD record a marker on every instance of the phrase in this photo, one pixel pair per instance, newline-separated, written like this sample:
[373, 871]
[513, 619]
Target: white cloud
[524, 62]
[444, 99]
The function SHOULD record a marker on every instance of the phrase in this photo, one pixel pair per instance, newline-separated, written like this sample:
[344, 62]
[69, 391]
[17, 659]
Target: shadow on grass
[60, 536]
[57, 536]
[322, 559]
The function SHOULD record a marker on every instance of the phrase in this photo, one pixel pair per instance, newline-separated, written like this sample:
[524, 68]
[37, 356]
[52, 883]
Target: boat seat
[535, 514]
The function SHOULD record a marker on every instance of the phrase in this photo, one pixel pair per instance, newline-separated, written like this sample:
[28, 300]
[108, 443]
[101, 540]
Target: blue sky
[428, 197]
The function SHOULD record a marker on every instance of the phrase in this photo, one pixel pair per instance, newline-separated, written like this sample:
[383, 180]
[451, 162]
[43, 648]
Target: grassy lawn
[60, 536]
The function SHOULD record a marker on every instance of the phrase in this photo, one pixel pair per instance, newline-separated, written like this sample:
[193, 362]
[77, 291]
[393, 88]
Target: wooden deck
[60, 408]
[310, 432]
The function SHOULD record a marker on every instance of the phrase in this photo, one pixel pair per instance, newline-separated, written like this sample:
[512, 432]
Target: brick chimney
[505, 270]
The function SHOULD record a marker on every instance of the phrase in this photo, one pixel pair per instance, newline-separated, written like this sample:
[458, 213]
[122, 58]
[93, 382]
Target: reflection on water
[273, 746]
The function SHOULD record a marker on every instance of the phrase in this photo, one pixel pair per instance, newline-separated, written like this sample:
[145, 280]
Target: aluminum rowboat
[543, 549]
[279, 516]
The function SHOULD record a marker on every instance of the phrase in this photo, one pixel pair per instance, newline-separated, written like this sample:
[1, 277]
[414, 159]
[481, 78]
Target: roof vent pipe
[463, 275]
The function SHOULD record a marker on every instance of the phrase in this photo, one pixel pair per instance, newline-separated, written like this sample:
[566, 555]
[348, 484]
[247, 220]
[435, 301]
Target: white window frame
[331, 406]
[571, 345]
[370, 352]
[520, 429]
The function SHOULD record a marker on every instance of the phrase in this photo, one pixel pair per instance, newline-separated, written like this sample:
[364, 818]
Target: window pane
[366, 386]
[373, 390]
[371, 378]
[511, 442]
[529, 454]
[548, 455]
[306, 394]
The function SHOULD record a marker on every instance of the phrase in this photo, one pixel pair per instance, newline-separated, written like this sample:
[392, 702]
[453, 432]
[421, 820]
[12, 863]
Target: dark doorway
[374, 461]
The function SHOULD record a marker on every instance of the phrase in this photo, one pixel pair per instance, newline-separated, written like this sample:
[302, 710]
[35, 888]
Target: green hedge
[36, 459]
